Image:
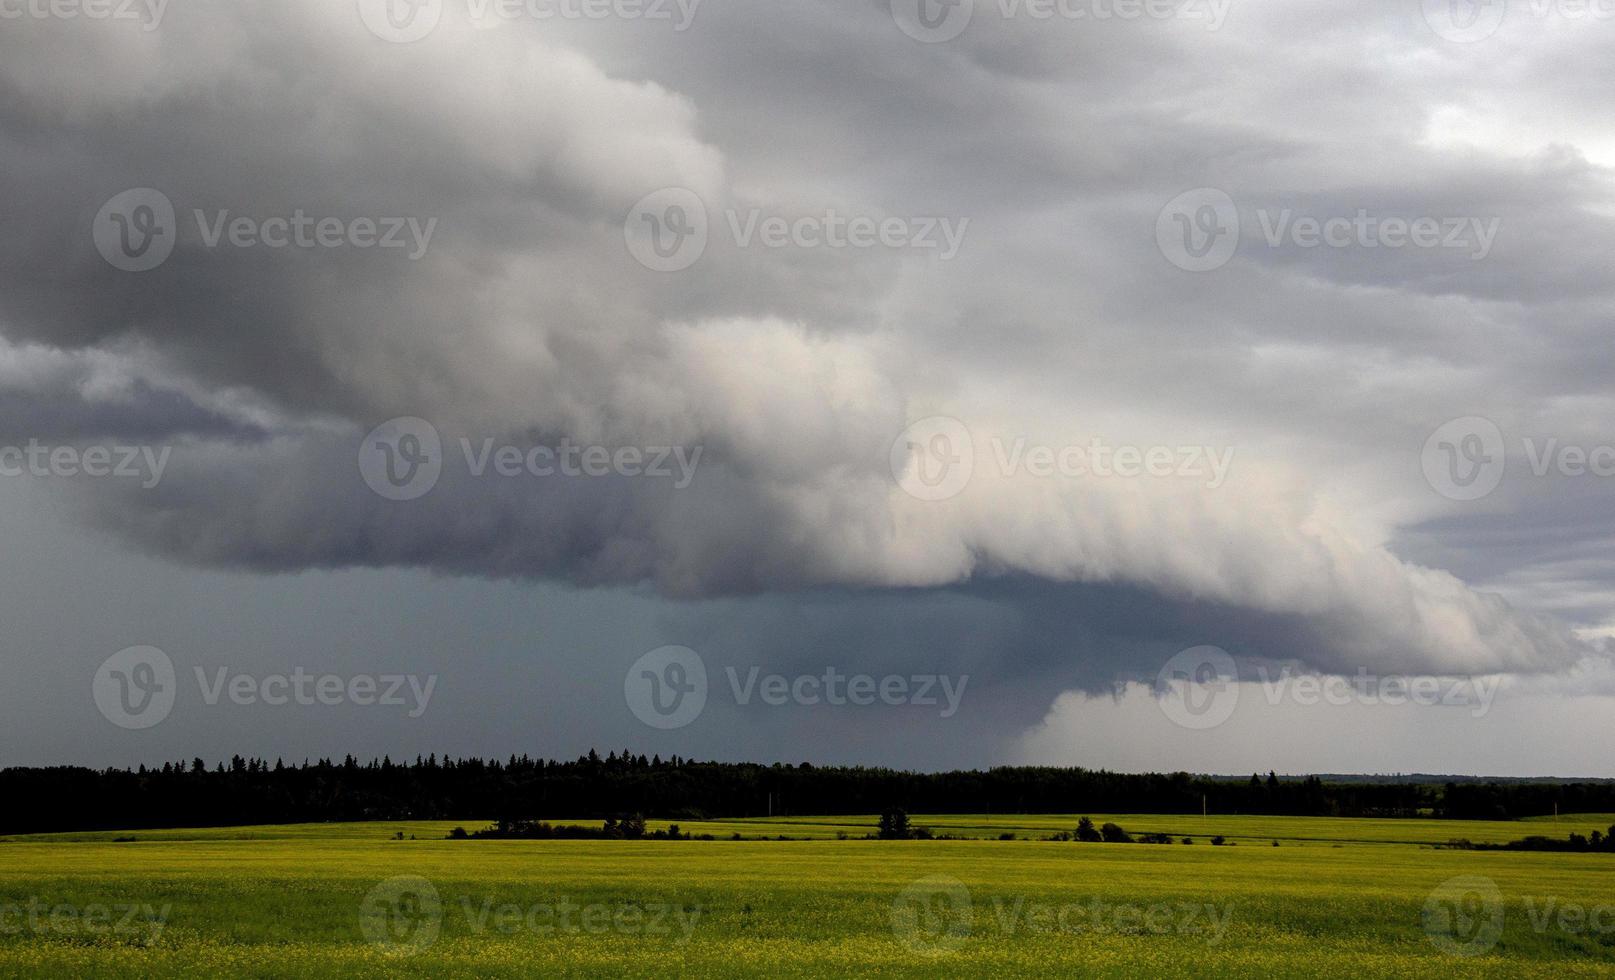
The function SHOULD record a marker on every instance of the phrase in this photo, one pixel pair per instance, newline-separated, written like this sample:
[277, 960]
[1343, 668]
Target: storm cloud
[1064, 331]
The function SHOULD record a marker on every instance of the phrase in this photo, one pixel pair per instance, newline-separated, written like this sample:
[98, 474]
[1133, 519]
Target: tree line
[250, 791]
[1598, 843]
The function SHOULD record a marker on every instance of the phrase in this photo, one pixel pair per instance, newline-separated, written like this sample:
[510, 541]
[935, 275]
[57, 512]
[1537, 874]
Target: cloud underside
[795, 370]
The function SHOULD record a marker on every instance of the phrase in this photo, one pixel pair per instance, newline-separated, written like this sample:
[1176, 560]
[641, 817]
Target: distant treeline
[248, 791]
[1599, 842]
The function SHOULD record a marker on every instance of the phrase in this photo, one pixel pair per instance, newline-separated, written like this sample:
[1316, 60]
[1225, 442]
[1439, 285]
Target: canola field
[1336, 897]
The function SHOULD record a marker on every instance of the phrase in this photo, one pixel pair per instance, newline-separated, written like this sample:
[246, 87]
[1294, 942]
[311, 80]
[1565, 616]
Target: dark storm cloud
[525, 320]
[148, 416]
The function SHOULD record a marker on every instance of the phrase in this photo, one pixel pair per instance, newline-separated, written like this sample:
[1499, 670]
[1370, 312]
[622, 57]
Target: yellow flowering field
[1335, 897]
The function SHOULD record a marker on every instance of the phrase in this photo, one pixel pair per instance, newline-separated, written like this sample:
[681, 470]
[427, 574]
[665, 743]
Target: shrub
[1086, 832]
[1113, 834]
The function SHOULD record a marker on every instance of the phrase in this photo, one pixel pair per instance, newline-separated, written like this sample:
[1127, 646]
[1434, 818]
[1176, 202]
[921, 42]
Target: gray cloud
[794, 370]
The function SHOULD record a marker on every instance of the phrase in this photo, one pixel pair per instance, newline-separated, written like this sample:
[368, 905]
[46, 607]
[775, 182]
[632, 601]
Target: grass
[1338, 896]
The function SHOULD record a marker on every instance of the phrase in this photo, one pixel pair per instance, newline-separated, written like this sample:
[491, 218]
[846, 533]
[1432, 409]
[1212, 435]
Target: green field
[1338, 896]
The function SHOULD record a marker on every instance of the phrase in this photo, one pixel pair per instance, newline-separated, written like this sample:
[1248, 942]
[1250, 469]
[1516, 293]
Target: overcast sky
[1065, 382]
